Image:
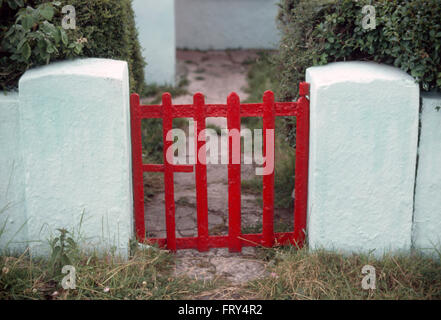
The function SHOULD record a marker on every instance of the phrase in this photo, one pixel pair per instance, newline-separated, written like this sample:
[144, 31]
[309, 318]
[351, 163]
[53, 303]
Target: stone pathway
[185, 203]
[238, 268]
[216, 74]
[222, 73]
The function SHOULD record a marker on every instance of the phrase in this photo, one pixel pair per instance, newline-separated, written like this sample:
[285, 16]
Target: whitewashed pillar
[363, 147]
[74, 118]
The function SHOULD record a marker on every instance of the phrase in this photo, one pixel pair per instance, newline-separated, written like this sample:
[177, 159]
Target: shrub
[317, 32]
[104, 29]
[31, 39]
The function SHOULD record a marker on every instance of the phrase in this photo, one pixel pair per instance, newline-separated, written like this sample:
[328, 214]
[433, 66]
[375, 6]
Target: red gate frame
[233, 111]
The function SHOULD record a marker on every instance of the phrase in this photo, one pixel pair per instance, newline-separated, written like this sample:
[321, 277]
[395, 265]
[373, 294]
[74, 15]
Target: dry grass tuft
[146, 275]
[330, 275]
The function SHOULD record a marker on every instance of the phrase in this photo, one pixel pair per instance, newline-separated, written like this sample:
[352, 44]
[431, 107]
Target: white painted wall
[65, 155]
[13, 228]
[364, 131]
[155, 21]
[225, 24]
[75, 125]
[427, 219]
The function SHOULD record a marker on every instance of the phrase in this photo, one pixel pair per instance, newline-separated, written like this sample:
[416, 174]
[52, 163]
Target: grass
[146, 275]
[257, 228]
[185, 202]
[200, 70]
[154, 92]
[305, 275]
[152, 138]
[260, 76]
[292, 274]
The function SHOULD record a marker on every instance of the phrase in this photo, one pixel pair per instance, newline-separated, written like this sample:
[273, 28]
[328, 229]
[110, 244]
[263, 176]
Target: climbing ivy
[33, 39]
[32, 35]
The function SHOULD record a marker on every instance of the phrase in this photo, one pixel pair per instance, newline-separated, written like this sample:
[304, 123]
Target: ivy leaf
[50, 48]
[21, 43]
[64, 38]
[56, 34]
[78, 48]
[47, 11]
[26, 51]
[27, 22]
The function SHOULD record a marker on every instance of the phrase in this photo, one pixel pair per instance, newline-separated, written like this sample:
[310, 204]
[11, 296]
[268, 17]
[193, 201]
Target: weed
[153, 184]
[260, 76]
[154, 90]
[185, 202]
[62, 248]
[320, 274]
[146, 275]
[200, 70]
[218, 229]
[279, 226]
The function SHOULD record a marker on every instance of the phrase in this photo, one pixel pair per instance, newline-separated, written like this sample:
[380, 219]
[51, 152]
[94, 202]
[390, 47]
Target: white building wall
[226, 24]
[155, 21]
[13, 227]
[427, 220]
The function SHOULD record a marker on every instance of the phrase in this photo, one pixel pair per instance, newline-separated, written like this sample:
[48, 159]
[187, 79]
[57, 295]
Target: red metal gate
[233, 111]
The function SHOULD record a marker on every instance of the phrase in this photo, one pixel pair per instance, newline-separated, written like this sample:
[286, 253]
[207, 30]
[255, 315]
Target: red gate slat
[247, 240]
[167, 125]
[234, 183]
[201, 172]
[160, 168]
[219, 110]
[138, 180]
[268, 179]
[302, 156]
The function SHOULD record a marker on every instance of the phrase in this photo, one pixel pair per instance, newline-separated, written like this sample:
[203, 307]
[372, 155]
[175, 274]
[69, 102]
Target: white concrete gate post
[363, 144]
[75, 134]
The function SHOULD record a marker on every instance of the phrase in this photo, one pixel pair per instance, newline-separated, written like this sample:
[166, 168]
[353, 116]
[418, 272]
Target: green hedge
[107, 25]
[317, 32]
